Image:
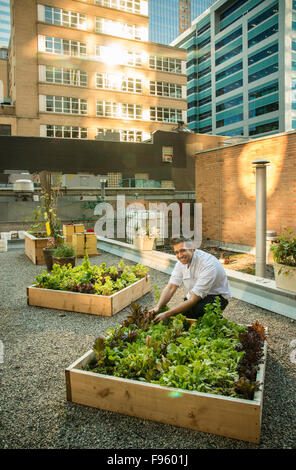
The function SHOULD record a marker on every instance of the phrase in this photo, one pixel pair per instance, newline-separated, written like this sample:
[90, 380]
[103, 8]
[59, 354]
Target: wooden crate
[88, 303]
[225, 416]
[85, 242]
[70, 230]
[34, 247]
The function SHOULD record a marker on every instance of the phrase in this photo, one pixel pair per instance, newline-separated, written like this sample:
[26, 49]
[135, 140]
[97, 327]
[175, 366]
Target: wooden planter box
[88, 303]
[34, 247]
[231, 417]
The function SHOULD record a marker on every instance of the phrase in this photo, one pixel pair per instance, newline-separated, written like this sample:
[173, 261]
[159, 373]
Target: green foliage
[284, 248]
[89, 279]
[206, 356]
[38, 223]
[64, 251]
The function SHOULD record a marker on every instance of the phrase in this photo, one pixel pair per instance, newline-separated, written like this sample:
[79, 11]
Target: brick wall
[226, 187]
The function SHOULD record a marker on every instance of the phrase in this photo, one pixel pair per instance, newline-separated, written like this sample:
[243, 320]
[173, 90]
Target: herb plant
[284, 248]
[211, 355]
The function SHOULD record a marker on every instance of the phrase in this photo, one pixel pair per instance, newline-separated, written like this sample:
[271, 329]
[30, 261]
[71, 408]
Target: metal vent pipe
[260, 166]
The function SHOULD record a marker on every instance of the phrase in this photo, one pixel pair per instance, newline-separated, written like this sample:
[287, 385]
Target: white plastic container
[5, 236]
[3, 246]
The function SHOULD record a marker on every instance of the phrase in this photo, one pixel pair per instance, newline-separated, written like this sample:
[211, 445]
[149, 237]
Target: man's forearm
[165, 296]
[183, 306]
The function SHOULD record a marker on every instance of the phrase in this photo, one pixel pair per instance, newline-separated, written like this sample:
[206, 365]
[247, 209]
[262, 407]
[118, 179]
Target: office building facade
[85, 68]
[241, 68]
[169, 18]
[4, 23]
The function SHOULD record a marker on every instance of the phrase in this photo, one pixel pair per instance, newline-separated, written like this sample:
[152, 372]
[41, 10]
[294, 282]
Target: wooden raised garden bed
[88, 303]
[226, 416]
[34, 247]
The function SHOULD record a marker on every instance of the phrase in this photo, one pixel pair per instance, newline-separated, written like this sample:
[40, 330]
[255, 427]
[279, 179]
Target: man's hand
[154, 310]
[161, 317]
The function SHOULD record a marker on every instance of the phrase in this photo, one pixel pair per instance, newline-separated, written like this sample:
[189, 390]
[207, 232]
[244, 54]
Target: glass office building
[4, 23]
[168, 18]
[241, 68]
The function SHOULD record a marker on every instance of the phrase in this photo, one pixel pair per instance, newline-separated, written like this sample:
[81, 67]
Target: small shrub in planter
[64, 254]
[145, 237]
[284, 255]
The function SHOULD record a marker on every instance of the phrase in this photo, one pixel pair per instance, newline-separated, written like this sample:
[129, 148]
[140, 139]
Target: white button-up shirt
[205, 276]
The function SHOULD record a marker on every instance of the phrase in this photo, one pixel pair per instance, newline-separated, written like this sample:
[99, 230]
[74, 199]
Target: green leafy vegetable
[211, 355]
[91, 279]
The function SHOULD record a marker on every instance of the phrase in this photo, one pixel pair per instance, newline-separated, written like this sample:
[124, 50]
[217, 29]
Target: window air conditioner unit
[167, 158]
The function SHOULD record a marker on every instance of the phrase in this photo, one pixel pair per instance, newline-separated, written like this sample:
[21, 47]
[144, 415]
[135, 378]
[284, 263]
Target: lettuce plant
[212, 355]
[91, 279]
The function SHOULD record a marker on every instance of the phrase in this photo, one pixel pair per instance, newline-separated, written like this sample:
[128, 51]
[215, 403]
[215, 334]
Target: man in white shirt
[203, 276]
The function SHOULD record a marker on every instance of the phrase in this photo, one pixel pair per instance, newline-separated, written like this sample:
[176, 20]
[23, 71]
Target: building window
[229, 71]
[294, 21]
[205, 130]
[266, 52]
[114, 56]
[229, 120]
[205, 100]
[113, 109]
[65, 76]
[229, 38]
[228, 55]
[65, 47]
[118, 82]
[165, 64]
[265, 34]
[205, 115]
[3, 54]
[66, 132]
[203, 58]
[167, 154]
[268, 108]
[263, 16]
[166, 89]
[133, 6]
[130, 135]
[203, 43]
[66, 105]
[5, 129]
[229, 103]
[263, 73]
[70, 19]
[165, 114]
[231, 9]
[204, 86]
[123, 30]
[203, 72]
[256, 129]
[230, 87]
[264, 90]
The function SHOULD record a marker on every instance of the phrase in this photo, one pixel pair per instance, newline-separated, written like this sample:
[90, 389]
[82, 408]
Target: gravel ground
[40, 343]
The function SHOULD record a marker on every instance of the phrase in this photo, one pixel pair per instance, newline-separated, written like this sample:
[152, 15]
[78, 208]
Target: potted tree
[64, 254]
[145, 237]
[46, 223]
[284, 255]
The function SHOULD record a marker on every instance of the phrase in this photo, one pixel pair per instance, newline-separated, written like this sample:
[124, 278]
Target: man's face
[184, 255]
